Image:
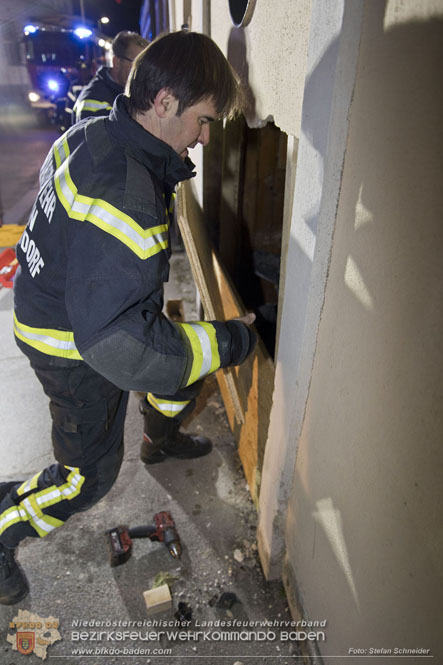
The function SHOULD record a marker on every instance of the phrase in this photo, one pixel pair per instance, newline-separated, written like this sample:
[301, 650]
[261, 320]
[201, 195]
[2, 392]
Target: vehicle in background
[57, 53]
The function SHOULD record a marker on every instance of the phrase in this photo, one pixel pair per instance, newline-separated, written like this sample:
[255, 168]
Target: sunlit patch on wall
[355, 282]
[330, 520]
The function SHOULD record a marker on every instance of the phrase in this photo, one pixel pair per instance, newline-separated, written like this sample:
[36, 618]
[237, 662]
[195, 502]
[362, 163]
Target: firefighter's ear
[165, 104]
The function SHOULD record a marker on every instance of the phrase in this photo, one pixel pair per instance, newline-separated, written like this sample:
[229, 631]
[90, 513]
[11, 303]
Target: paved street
[22, 151]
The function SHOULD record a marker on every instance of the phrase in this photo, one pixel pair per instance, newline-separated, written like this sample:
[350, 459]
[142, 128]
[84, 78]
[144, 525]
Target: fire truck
[58, 52]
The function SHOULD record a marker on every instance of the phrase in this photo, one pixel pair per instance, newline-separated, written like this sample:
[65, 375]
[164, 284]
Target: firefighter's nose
[204, 134]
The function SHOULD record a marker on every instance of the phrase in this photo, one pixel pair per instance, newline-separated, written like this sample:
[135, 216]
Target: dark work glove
[243, 341]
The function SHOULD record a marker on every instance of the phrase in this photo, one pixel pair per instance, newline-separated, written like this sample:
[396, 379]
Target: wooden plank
[202, 258]
[247, 389]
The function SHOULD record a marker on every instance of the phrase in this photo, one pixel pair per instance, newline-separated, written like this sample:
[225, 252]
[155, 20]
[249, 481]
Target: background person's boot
[162, 439]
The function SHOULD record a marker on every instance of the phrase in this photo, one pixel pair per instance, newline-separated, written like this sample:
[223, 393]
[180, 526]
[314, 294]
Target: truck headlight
[33, 96]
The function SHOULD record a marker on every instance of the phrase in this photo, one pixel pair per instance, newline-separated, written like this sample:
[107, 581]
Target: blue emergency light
[53, 85]
[30, 29]
[82, 33]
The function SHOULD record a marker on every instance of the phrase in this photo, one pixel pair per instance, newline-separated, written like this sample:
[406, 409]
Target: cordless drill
[120, 538]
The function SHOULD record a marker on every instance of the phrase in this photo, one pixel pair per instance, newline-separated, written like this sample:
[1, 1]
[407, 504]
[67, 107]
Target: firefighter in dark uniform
[98, 96]
[88, 294]
[75, 88]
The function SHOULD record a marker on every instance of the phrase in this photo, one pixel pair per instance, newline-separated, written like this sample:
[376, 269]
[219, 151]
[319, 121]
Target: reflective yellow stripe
[167, 407]
[50, 341]
[43, 524]
[11, 516]
[197, 361]
[170, 210]
[203, 341]
[28, 511]
[28, 485]
[31, 507]
[143, 242]
[71, 489]
[93, 105]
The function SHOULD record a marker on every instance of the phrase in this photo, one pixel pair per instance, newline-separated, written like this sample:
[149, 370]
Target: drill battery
[119, 544]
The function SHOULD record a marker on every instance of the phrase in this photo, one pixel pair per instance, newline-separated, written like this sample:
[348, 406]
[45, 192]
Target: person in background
[98, 96]
[83, 78]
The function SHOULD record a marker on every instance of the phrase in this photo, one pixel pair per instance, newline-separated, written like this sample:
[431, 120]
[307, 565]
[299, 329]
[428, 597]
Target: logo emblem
[25, 642]
[34, 634]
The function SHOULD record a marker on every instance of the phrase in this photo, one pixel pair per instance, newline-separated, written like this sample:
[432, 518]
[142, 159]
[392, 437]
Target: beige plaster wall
[269, 53]
[364, 533]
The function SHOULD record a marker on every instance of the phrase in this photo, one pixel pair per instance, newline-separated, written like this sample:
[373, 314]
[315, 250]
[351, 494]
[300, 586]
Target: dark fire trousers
[88, 414]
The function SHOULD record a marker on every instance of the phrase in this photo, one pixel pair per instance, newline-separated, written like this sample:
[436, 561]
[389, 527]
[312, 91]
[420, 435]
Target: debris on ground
[238, 556]
[184, 612]
[227, 600]
[163, 577]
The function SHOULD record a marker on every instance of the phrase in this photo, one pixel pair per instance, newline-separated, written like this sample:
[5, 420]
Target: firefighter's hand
[248, 318]
[243, 338]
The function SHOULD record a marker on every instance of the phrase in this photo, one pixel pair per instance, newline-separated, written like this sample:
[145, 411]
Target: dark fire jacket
[94, 257]
[96, 98]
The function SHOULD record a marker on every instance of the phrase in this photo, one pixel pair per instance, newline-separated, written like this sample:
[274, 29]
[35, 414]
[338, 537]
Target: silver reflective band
[57, 494]
[13, 516]
[171, 407]
[205, 344]
[50, 341]
[39, 520]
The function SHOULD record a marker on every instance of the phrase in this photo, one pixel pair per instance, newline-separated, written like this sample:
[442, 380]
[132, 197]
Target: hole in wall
[243, 201]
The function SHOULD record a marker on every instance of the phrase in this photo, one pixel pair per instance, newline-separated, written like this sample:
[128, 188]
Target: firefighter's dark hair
[124, 39]
[191, 66]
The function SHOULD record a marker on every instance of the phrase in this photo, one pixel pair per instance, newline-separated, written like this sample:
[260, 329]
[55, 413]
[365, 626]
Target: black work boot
[162, 439]
[13, 583]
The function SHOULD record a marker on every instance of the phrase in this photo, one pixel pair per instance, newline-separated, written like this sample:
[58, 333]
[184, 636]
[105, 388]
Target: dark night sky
[123, 14]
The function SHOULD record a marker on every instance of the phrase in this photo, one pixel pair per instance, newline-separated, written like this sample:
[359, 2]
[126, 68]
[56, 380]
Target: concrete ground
[69, 573]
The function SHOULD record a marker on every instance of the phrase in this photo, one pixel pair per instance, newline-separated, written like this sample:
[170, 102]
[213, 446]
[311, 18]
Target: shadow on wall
[371, 443]
[237, 56]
